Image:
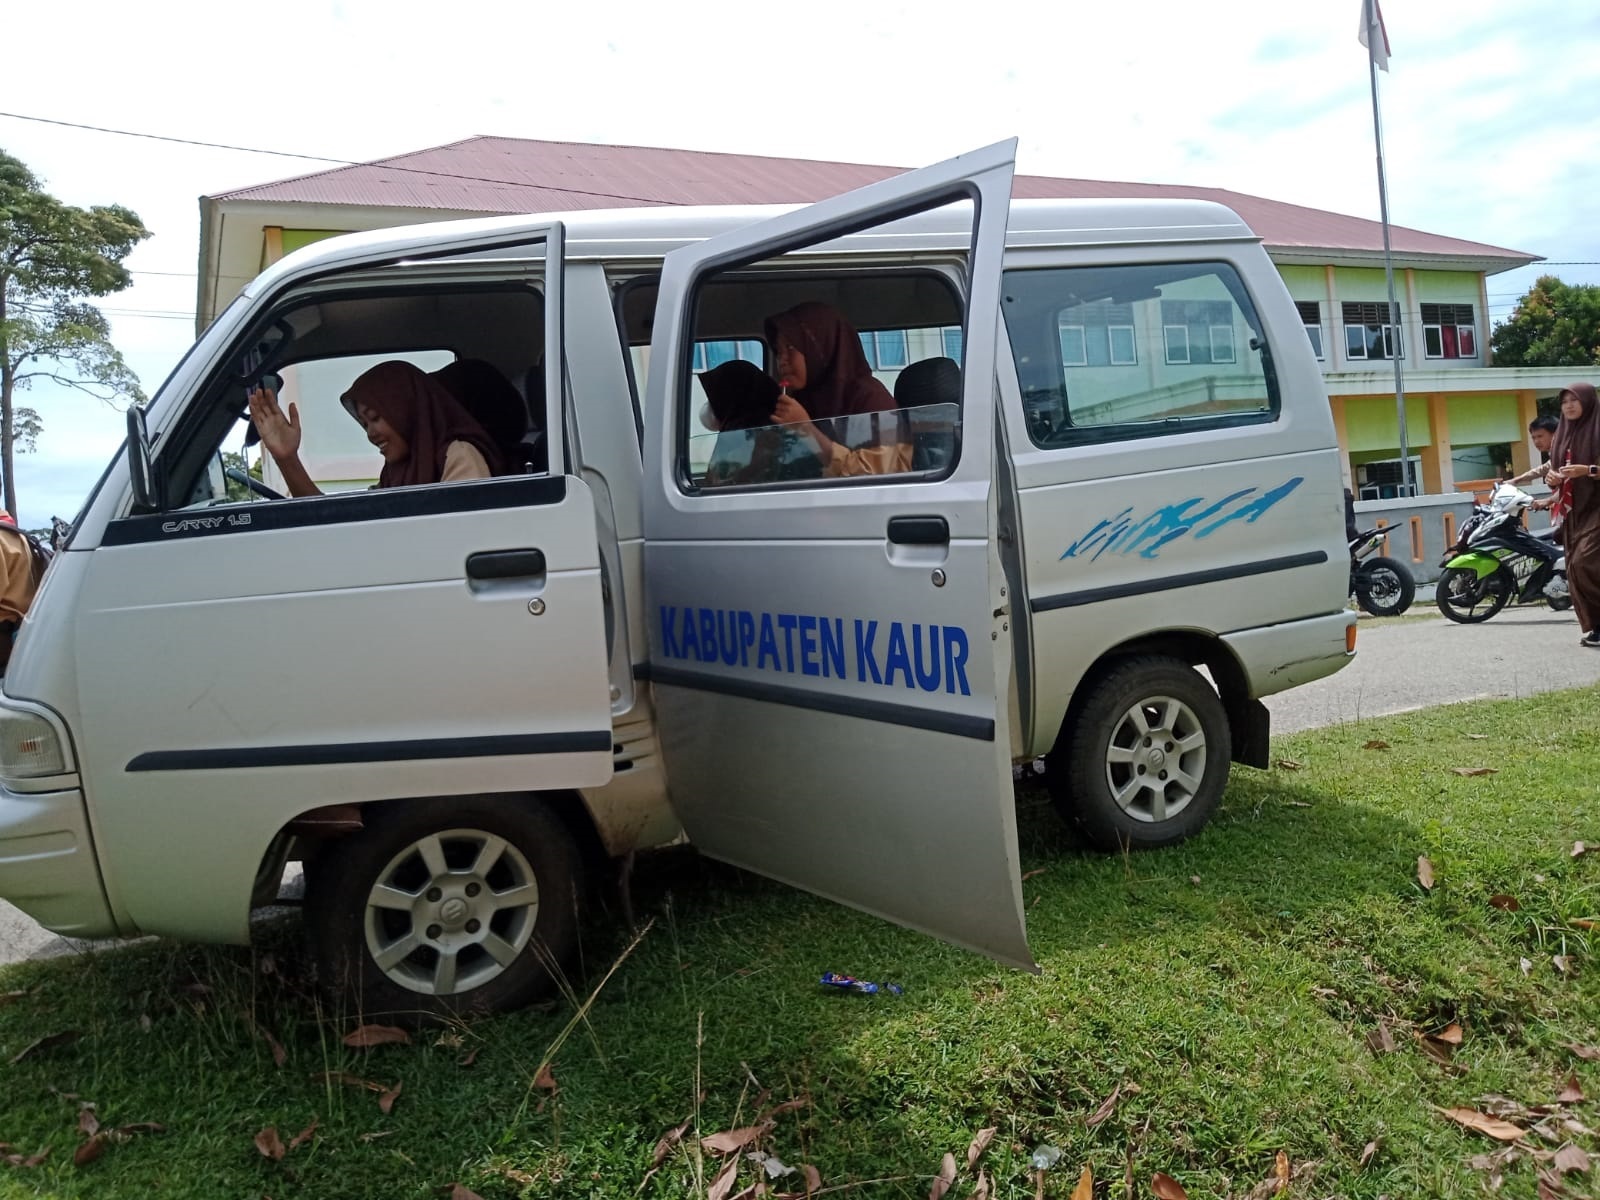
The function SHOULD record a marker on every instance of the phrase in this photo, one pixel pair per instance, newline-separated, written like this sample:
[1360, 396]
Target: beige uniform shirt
[17, 579]
[462, 461]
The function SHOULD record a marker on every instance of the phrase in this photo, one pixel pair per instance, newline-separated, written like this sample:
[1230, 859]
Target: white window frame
[1433, 335]
[1111, 346]
[1227, 334]
[1467, 333]
[1083, 343]
[1167, 342]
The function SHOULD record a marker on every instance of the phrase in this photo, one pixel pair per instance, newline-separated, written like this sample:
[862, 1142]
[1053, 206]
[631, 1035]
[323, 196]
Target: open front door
[829, 630]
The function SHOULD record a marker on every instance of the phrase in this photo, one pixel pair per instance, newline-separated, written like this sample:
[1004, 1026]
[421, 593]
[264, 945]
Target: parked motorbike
[1496, 561]
[1382, 586]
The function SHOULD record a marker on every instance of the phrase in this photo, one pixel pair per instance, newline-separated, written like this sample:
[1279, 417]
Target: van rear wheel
[445, 907]
[1146, 758]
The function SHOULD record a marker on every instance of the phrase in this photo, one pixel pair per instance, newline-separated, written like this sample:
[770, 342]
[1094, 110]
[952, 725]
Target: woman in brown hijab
[1575, 471]
[423, 433]
[826, 380]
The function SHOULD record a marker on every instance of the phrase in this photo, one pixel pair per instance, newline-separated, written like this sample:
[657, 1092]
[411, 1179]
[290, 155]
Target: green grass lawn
[1228, 987]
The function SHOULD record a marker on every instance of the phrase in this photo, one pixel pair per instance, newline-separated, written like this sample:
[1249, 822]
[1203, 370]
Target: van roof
[634, 233]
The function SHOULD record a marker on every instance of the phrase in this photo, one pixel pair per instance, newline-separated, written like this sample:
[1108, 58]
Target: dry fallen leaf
[945, 1179]
[1504, 903]
[1526, 964]
[1367, 1154]
[1469, 772]
[386, 1101]
[1583, 922]
[1562, 963]
[88, 1123]
[1376, 744]
[90, 1150]
[733, 1140]
[1107, 1107]
[367, 1036]
[51, 1040]
[459, 1191]
[1289, 764]
[814, 1177]
[1085, 1188]
[1195, 879]
[470, 1057]
[1280, 1170]
[1380, 1040]
[1579, 849]
[1569, 1158]
[723, 1183]
[1167, 1188]
[1450, 1035]
[980, 1143]
[1587, 1053]
[668, 1140]
[546, 1079]
[794, 1105]
[304, 1136]
[1026, 875]
[516, 1176]
[1572, 1093]
[270, 1144]
[1550, 1186]
[980, 1190]
[1425, 872]
[1492, 1126]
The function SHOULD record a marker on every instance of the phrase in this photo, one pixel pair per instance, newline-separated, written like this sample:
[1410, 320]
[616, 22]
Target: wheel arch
[1247, 717]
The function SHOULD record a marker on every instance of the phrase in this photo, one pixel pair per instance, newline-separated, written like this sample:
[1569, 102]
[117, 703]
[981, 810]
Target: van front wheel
[445, 907]
[1146, 757]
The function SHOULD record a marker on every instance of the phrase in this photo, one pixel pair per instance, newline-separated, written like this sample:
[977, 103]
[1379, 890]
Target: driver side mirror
[141, 472]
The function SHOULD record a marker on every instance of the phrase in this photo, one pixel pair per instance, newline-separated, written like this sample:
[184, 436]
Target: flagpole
[1375, 30]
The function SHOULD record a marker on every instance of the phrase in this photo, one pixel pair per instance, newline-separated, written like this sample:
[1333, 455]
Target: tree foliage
[52, 256]
[1555, 325]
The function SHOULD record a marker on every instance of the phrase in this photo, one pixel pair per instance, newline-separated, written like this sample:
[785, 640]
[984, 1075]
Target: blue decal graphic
[1197, 516]
[890, 654]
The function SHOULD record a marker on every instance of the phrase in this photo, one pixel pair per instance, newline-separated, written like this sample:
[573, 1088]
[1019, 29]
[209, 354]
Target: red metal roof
[517, 175]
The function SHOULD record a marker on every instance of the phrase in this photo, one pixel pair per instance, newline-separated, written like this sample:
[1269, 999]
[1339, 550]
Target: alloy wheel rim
[451, 912]
[1156, 759]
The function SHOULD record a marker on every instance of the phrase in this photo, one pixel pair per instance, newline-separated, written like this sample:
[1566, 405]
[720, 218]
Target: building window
[885, 349]
[713, 354]
[1449, 331]
[1372, 331]
[1198, 331]
[950, 336]
[1098, 335]
[1311, 317]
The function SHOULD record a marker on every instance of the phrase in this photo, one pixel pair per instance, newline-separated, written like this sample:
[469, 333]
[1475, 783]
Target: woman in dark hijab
[423, 433]
[1575, 471]
[826, 381]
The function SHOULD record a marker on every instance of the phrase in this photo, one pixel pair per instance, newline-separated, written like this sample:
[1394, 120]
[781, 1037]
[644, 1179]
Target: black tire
[1087, 768]
[1462, 596]
[1558, 603]
[1385, 587]
[455, 910]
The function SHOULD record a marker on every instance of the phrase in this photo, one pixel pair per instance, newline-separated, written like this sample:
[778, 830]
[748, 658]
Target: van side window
[1106, 353]
[807, 379]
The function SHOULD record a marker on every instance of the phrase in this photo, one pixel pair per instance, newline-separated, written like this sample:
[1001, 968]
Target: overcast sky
[1491, 121]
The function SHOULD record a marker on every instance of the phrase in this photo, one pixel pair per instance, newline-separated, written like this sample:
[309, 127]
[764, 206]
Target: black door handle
[505, 564]
[919, 531]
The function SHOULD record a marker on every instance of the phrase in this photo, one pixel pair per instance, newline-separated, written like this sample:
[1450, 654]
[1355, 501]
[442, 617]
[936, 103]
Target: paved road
[1420, 661]
[1414, 662]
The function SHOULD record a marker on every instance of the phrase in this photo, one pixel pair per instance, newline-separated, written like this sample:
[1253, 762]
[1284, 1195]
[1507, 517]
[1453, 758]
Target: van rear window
[1136, 351]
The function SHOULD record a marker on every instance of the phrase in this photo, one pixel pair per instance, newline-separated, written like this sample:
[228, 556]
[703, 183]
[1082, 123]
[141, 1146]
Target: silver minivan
[1117, 529]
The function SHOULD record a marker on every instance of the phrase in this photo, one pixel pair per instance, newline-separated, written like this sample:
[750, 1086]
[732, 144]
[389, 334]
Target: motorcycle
[1495, 561]
[1382, 586]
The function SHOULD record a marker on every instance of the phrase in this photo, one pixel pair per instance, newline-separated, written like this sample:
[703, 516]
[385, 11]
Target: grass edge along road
[1287, 983]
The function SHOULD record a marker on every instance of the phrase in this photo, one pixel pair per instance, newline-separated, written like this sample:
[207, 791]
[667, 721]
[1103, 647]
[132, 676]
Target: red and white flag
[1373, 34]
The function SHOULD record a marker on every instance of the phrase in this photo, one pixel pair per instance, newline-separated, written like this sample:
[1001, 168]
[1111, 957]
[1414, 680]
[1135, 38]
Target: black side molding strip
[957, 724]
[373, 752]
[341, 508]
[1172, 582]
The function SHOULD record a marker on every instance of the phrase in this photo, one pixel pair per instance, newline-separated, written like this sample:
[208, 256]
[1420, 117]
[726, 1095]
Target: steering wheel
[254, 484]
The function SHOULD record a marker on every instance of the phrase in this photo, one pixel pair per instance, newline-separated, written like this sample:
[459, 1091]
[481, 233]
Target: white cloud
[1490, 134]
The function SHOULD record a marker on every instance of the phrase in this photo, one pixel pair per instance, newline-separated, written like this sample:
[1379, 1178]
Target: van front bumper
[1278, 657]
[47, 864]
